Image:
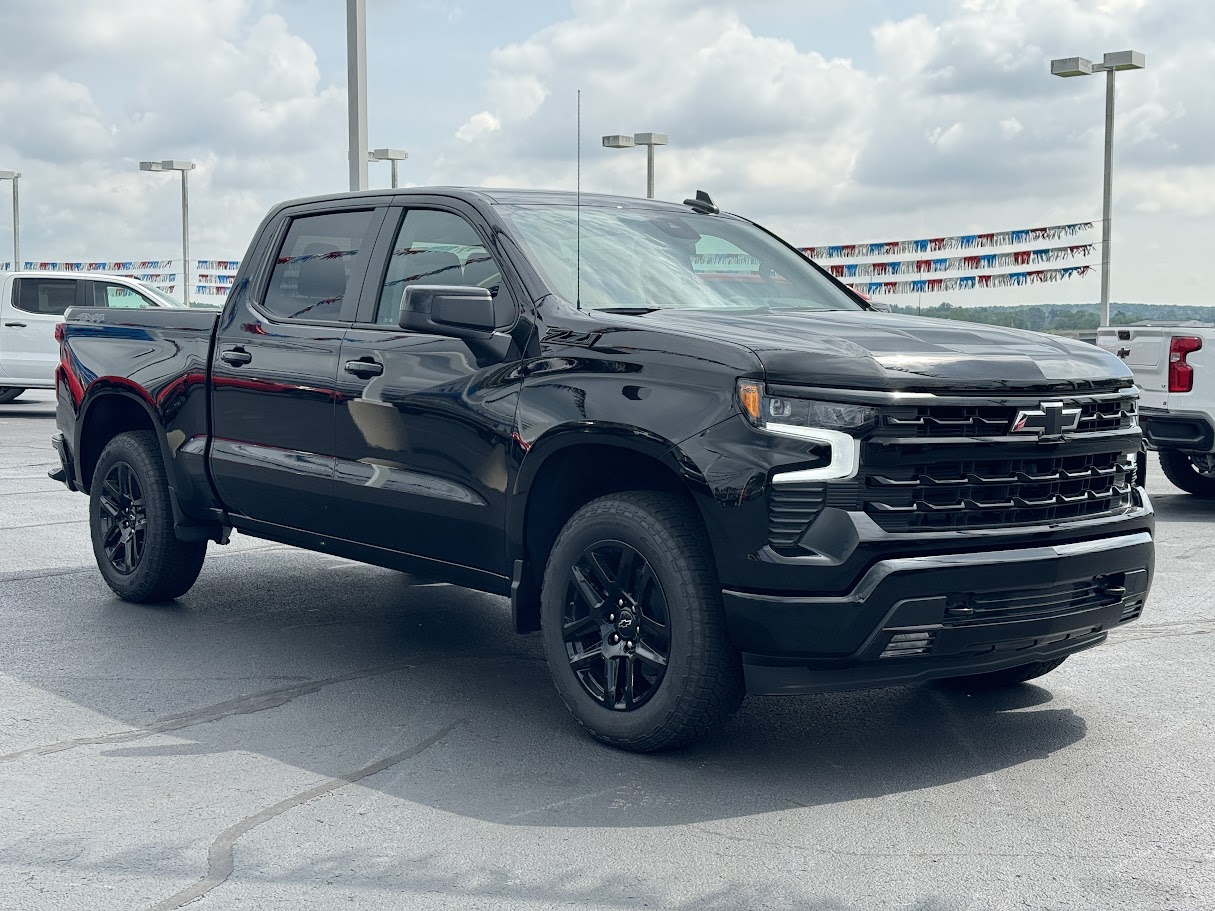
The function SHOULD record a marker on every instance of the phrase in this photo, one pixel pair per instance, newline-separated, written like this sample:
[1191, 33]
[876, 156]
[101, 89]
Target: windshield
[654, 259]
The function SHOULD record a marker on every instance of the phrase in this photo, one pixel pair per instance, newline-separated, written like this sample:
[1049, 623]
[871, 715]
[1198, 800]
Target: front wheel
[632, 624]
[1192, 473]
[11, 394]
[131, 520]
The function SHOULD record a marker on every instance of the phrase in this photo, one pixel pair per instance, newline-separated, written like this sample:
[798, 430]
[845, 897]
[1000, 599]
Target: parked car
[33, 303]
[692, 485]
[1174, 367]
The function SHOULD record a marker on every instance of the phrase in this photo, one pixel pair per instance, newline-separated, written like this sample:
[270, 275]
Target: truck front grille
[980, 493]
[954, 463]
[1103, 414]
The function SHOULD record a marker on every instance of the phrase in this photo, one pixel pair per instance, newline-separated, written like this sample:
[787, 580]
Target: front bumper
[917, 618]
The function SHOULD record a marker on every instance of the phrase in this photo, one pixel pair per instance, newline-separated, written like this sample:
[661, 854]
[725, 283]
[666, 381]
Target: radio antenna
[578, 211]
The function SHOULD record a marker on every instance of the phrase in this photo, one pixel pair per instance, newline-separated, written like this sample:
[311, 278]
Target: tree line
[1059, 317]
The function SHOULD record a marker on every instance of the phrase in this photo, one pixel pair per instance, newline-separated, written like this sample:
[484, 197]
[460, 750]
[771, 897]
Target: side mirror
[456, 311]
[881, 306]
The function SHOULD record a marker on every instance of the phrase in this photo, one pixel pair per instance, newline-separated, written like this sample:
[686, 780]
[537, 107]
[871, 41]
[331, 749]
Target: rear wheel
[1009, 676]
[1192, 473]
[632, 624]
[131, 520]
[10, 394]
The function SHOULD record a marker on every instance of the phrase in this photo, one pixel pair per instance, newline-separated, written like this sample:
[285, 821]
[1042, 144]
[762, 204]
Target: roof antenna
[703, 203]
[578, 210]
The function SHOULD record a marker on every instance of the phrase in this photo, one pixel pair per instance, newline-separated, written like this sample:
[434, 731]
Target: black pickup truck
[698, 465]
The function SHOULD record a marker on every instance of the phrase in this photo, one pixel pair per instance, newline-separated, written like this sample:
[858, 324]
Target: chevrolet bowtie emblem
[1049, 420]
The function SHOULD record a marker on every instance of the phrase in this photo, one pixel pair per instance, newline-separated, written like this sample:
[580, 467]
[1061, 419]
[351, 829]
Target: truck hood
[885, 351]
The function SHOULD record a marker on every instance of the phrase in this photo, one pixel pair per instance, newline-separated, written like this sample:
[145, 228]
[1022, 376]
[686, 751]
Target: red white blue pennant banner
[970, 282]
[214, 276]
[957, 242]
[955, 263]
[130, 265]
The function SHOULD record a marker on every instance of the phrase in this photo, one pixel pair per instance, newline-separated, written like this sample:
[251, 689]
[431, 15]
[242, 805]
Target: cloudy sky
[828, 121]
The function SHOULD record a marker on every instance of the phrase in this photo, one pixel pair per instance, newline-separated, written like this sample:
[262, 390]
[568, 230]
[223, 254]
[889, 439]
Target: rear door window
[312, 272]
[45, 296]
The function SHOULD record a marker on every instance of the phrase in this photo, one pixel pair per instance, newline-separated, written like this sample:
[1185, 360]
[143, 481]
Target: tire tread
[1180, 471]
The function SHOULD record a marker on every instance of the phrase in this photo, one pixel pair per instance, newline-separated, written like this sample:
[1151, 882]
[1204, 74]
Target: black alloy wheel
[124, 518]
[616, 626]
[633, 626]
[132, 526]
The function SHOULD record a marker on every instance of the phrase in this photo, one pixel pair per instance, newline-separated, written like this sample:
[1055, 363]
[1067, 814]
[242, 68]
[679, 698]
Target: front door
[275, 368]
[424, 422]
[28, 350]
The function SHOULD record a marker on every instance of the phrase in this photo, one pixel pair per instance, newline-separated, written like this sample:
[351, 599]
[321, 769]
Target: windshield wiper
[630, 311]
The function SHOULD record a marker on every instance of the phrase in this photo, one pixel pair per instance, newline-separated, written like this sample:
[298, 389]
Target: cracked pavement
[301, 732]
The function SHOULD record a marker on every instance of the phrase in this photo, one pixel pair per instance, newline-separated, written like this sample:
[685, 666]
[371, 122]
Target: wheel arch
[566, 469]
[112, 407]
[108, 410]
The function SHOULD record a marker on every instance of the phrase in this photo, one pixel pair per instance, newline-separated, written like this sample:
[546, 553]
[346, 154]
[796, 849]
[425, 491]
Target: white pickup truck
[32, 303]
[1174, 367]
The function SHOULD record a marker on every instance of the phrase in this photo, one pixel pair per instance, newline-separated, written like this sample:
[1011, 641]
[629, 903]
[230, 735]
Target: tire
[1009, 676]
[10, 394]
[1179, 468]
[142, 561]
[676, 676]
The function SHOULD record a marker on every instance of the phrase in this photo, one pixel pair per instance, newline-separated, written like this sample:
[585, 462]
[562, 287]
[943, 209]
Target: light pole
[649, 140]
[1110, 64]
[185, 167]
[356, 90]
[15, 177]
[393, 155]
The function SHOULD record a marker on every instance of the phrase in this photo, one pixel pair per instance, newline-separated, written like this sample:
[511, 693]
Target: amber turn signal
[749, 397]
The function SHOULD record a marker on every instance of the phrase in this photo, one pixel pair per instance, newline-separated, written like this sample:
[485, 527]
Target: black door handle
[364, 369]
[15, 325]
[237, 357]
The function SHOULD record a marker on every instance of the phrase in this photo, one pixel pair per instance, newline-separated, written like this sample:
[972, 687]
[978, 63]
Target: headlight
[764, 410]
[828, 425]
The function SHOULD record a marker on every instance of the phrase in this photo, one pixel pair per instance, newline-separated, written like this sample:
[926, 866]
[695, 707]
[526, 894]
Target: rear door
[28, 316]
[275, 366]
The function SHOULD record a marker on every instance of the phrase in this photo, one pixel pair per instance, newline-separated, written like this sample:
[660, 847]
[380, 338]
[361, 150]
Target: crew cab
[33, 303]
[696, 463]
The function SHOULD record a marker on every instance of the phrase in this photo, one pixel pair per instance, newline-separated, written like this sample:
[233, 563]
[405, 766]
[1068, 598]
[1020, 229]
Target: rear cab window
[44, 296]
[313, 269]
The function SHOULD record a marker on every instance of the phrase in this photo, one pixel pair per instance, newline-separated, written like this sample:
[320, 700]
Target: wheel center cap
[626, 621]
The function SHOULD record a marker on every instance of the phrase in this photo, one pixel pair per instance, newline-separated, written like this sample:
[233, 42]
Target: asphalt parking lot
[301, 732]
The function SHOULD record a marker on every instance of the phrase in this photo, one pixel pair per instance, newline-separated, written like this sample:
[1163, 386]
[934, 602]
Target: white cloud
[87, 89]
[478, 125]
[946, 121]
